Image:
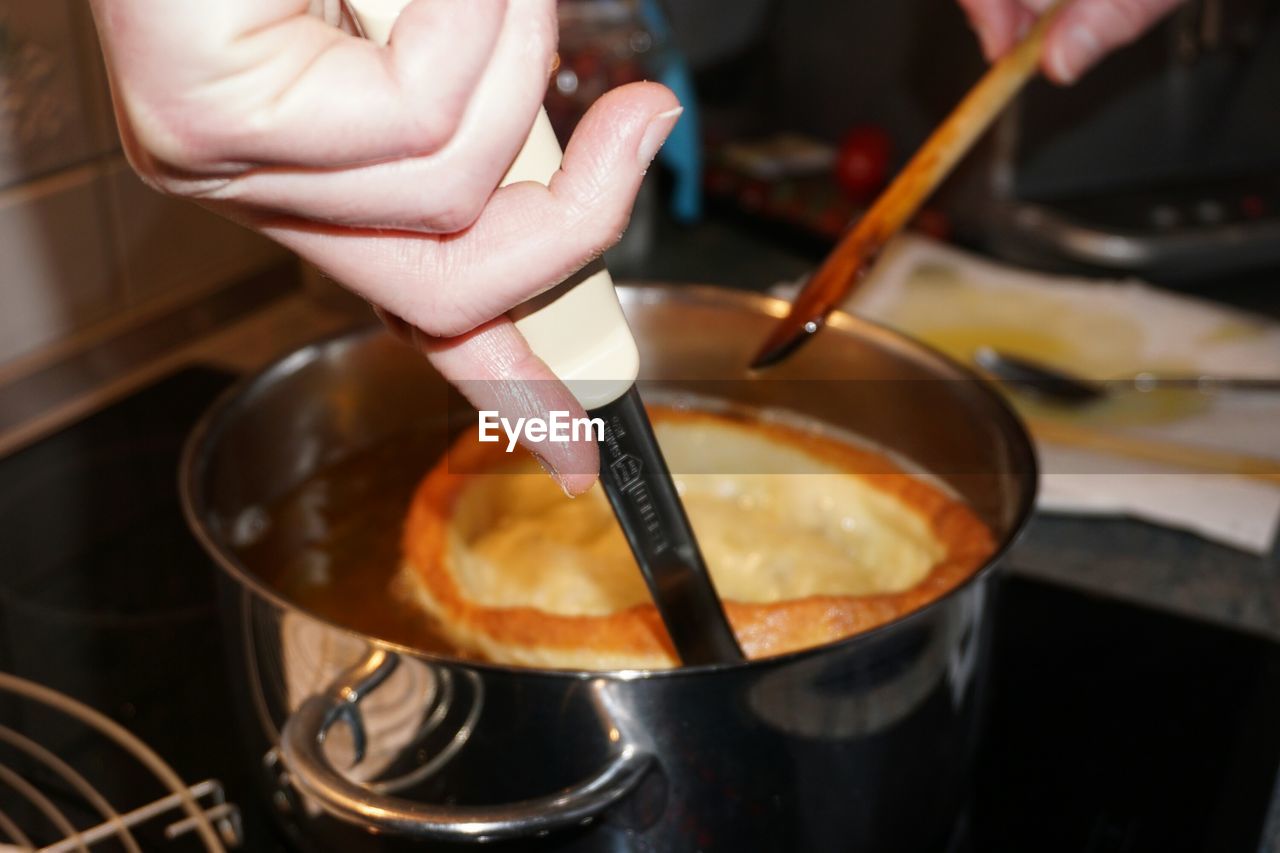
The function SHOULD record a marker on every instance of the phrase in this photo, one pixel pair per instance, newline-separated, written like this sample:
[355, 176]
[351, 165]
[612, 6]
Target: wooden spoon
[849, 263]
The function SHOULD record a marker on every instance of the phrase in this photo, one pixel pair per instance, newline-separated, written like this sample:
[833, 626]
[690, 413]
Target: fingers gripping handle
[576, 327]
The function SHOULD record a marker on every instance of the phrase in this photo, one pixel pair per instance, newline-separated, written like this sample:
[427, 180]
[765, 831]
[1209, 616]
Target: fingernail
[660, 127]
[1072, 55]
[553, 473]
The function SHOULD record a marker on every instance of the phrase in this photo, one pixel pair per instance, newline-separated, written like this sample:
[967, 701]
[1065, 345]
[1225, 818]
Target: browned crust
[636, 637]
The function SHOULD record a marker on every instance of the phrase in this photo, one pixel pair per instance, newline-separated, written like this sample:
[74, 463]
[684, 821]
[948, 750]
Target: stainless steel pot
[864, 744]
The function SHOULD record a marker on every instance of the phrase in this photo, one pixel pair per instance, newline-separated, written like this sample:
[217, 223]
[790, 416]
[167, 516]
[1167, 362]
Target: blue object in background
[682, 153]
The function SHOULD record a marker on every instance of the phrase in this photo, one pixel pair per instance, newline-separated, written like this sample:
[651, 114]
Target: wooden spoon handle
[848, 263]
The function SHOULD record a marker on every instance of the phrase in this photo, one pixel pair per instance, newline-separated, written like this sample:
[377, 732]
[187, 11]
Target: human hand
[379, 164]
[1085, 31]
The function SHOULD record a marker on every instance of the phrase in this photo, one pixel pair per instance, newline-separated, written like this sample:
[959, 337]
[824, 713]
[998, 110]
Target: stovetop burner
[1111, 727]
[1118, 728]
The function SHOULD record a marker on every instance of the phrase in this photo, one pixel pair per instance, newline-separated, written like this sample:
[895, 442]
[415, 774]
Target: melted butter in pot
[332, 545]
[777, 521]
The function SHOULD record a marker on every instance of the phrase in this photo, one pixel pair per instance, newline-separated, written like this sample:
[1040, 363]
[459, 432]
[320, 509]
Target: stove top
[1110, 727]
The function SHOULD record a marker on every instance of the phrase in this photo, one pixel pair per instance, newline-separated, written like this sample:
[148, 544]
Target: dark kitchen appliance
[1109, 727]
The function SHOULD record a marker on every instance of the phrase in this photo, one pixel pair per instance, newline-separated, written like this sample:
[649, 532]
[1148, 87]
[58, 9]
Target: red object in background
[1253, 206]
[862, 164]
[932, 222]
[754, 195]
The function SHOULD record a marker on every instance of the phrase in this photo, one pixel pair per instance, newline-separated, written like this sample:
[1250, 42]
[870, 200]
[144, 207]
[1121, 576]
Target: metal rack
[199, 809]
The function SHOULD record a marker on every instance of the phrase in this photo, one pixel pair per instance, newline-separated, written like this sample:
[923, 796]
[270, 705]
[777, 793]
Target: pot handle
[310, 771]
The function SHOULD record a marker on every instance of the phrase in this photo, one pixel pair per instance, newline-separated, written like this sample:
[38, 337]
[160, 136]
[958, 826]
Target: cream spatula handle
[577, 327]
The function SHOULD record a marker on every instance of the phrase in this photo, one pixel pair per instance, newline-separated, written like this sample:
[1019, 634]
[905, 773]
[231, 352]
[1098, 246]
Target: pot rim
[244, 390]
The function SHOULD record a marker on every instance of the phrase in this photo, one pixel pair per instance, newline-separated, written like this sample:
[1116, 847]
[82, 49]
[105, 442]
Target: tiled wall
[81, 238]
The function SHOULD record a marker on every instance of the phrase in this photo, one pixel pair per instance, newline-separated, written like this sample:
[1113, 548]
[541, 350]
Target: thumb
[1090, 29]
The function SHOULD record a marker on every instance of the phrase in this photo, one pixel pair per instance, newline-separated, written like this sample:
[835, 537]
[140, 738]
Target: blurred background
[82, 240]
[1162, 163]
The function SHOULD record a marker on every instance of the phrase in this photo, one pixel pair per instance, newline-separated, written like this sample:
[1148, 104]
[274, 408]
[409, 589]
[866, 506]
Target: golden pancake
[816, 541]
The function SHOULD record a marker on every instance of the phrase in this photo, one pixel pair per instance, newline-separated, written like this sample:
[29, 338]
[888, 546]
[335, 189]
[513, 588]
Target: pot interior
[299, 478]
